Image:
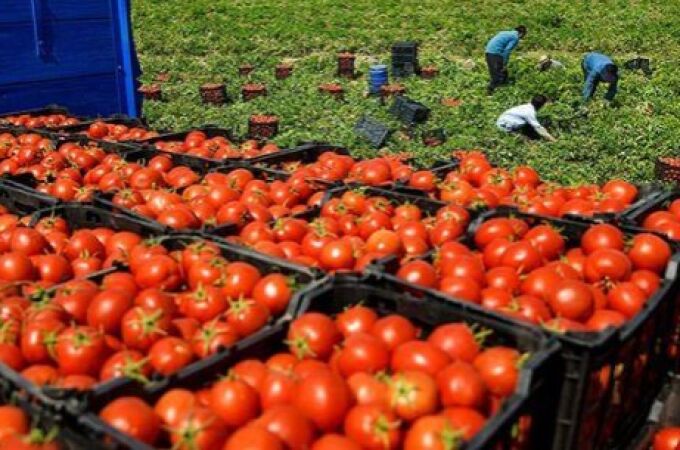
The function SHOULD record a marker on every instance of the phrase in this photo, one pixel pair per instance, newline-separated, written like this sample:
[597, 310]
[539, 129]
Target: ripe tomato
[13, 420]
[16, 266]
[418, 272]
[212, 338]
[370, 389]
[133, 417]
[547, 240]
[603, 318]
[335, 442]
[460, 384]
[106, 310]
[362, 352]
[79, 351]
[602, 236]
[240, 279]
[125, 363]
[234, 401]
[498, 368]
[649, 252]
[174, 405]
[466, 420]
[200, 429]
[394, 330]
[142, 326]
[313, 335]
[457, 340]
[414, 394]
[324, 398]
[170, 354]
[434, 432]
[607, 264]
[254, 437]
[38, 339]
[203, 304]
[572, 300]
[289, 425]
[627, 298]
[419, 355]
[356, 319]
[373, 428]
[667, 439]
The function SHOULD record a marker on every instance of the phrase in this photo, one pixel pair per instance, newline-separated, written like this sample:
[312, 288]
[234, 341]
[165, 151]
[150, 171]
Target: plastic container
[531, 400]
[635, 216]
[664, 413]
[35, 112]
[409, 111]
[600, 402]
[117, 119]
[372, 130]
[78, 54]
[377, 77]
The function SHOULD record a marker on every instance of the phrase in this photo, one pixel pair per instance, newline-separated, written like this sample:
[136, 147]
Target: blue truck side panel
[75, 53]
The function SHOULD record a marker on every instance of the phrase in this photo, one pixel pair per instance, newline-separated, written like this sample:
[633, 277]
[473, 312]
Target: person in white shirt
[522, 119]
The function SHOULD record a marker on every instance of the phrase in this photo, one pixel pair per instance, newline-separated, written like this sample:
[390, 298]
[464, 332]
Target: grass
[205, 40]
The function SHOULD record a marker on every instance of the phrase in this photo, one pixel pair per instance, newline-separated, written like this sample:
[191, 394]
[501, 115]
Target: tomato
[620, 190]
[413, 394]
[158, 271]
[16, 266]
[83, 241]
[234, 401]
[141, 327]
[200, 429]
[667, 439]
[505, 278]
[547, 240]
[106, 310]
[41, 375]
[334, 442]
[602, 236]
[418, 272]
[362, 352]
[646, 280]
[170, 354]
[460, 384]
[465, 420]
[174, 405]
[27, 241]
[38, 339]
[384, 241]
[79, 351]
[133, 417]
[540, 282]
[324, 398]
[253, 437]
[247, 316]
[240, 279]
[212, 338]
[461, 288]
[498, 368]
[457, 340]
[355, 319]
[203, 304]
[649, 252]
[419, 355]
[393, 330]
[277, 388]
[337, 254]
[125, 363]
[627, 298]
[603, 318]
[13, 420]
[370, 389]
[434, 432]
[373, 428]
[313, 335]
[493, 229]
[607, 264]
[572, 300]
[522, 256]
[289, 425]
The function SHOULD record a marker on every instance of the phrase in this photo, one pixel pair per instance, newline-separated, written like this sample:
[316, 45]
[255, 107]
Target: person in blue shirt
[498, 51]
[596, 68]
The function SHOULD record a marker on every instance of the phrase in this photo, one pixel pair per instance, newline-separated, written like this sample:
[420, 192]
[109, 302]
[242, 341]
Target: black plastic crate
[372, 130]
[635, 216]
[600, 401]
[18, 194]
[45, 111]
[305, 153]
[532, 398]
[664, 413]
[409, 111]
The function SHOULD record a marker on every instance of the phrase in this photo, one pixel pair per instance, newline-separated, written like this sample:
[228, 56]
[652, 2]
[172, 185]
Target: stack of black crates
[405, 59]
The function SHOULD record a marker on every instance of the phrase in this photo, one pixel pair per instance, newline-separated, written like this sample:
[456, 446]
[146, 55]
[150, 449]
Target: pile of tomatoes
[118, 132]
[332, 167]
[197, 143]
[18, 433]
[164, 311]
[44, 121]
[476, 183]
[354, 229]
[529, 273]
[665, 221]
[354, 381]
[667, 439]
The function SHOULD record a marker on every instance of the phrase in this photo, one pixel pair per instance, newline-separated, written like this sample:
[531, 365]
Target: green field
[205, 40]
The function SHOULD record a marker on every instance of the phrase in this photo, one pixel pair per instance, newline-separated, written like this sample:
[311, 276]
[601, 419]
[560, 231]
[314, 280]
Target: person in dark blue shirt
[498, 51]
[596, 68]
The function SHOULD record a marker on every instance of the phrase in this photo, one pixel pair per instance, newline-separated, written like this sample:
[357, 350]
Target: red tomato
[289, 425]
[174, 405]
[394, 330]
[324, 398]
[461, 385]
[133, 417]
[362, 352]
[313, 335]
[254, 437]
[170, 354]
[356, 319]
[373, 428]
[419, 355]
[414, 394]
[234, 401]
[498, 368]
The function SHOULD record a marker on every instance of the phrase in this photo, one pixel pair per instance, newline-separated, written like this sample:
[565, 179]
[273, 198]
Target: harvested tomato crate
[522, 422]
[600, 402]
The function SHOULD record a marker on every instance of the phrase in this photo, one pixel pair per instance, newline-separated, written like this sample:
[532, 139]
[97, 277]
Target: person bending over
[498, 51]
[522, 119]
[596, 68]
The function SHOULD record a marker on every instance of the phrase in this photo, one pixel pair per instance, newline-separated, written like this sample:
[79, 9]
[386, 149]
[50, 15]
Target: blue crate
[78, 54]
